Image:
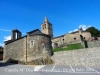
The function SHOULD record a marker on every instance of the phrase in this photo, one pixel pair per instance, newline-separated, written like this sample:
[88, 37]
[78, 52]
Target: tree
[94, 32]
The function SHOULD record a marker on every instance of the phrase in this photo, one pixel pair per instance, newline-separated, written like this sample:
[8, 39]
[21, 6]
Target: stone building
[37, 44]
[32, 46]
[74, 37]
[69, 38]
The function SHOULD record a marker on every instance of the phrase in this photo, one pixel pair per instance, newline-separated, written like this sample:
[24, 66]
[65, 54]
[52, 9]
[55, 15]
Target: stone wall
[82, 57]
[15, 50]
[87, 35]
[94, 43]
[58, 40]
[42, 47]
[69, 38]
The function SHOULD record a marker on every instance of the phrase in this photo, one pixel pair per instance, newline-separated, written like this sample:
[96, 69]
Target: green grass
[69, 47]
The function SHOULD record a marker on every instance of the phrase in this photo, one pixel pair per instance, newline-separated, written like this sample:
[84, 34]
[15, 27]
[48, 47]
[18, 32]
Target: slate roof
[59, 36]
[31, 33]
[76, 32]
[10, 41]
[36, 32]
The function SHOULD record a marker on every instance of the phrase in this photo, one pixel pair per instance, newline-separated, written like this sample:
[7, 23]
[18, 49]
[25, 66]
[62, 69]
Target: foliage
[94, 32]
[69, 47]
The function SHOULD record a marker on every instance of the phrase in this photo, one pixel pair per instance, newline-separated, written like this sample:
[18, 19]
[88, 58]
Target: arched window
[32, 43]
[42, 27]
[45, 25]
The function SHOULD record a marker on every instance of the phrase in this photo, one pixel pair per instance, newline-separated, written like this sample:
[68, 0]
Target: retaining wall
[81, 57]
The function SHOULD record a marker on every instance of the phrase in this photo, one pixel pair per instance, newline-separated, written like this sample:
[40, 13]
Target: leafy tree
[94, 32]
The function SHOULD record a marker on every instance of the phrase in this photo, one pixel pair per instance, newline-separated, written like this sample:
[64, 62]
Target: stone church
[67, 38]
[36, 44]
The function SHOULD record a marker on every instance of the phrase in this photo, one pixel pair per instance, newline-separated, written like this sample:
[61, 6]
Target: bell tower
[46, 27]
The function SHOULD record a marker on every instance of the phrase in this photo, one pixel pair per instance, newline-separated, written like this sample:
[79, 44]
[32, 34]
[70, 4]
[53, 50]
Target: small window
[74, 38]
[32, 43]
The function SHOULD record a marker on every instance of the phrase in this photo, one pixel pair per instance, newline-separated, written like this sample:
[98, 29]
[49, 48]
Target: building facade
[69, 38]
[27, 48]
[38, 44]
[77, 36]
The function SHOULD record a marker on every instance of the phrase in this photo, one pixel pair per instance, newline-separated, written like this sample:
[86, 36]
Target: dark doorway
[95, 38]
[56, 45]
[81, 38]
[1, 55]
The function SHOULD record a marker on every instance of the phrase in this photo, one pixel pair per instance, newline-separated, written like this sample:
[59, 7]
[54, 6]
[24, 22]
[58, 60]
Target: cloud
[7, 38]
[70, 31]
[8, 30]
[84, 27]
[89, 26]
[5, 30]
[23, 33]
[1, 44]
[75, 30]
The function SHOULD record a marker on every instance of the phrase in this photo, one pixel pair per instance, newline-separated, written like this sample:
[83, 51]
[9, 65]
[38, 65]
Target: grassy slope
[69, 47]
